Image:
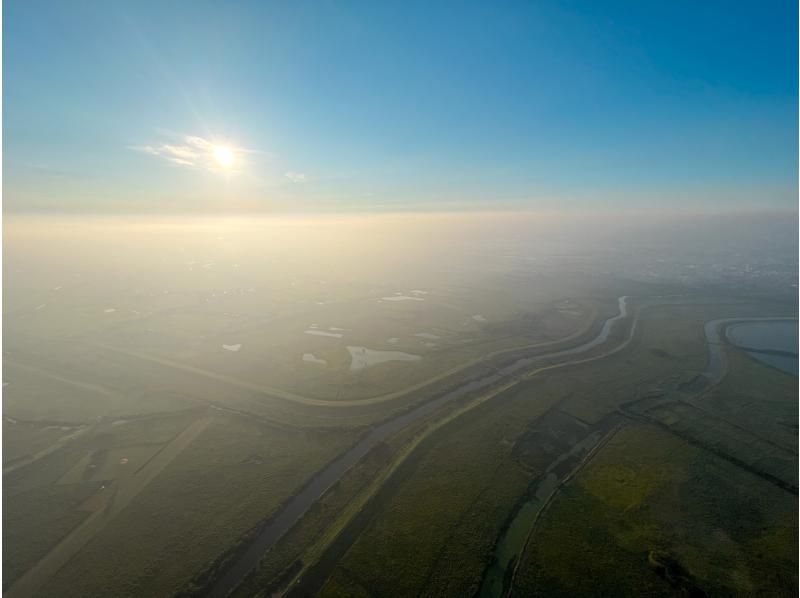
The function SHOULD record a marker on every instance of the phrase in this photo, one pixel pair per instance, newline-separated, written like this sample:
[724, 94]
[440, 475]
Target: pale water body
[233, 348]
[361, 357]
[763, 341]
[571, 313]
[716, 355]
[323, 333]
[311, 358]
[402, 298]
[297, 506]
[427, 335]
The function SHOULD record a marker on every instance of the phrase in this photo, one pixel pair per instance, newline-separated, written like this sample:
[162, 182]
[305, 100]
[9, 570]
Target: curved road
[297, 506]
[275, 392]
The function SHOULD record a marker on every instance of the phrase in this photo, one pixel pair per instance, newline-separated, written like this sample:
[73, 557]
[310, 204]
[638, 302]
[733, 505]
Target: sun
[224, 156]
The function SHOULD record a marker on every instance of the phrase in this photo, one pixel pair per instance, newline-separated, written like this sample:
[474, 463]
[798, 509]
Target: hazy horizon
[410, 299]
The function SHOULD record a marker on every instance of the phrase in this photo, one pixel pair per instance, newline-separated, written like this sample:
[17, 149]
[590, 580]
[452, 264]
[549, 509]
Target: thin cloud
[192, 151]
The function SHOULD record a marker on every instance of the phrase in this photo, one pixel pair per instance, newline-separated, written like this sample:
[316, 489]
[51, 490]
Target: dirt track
[103, 506]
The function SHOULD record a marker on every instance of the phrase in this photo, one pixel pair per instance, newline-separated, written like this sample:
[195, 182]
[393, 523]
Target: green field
[433, 528]
[132, 472]
[230, 477]
[654, 515]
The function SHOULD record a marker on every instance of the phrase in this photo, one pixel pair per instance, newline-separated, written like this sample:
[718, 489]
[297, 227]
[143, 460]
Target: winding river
[513, 539]
[297, 506]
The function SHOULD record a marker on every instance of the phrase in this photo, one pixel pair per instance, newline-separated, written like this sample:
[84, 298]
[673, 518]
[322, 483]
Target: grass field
[36, 520]
[208, 493]
[654, 515]
[286, 557]
[21, 440]
[232, 476]
[757, 397]
[432, 528]
[436, 530]
[433, 534]
[187, 320]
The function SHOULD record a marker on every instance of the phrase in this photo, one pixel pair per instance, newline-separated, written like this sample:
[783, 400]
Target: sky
[117, 107]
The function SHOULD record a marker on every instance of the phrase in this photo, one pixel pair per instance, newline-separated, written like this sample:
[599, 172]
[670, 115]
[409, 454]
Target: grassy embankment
[669, 349]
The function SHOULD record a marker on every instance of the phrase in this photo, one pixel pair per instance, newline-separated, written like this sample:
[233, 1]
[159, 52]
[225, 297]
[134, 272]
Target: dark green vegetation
[603, 466]
[171, 492]
[35, 521]
[281, 563]
[436, 527]
[652, 514]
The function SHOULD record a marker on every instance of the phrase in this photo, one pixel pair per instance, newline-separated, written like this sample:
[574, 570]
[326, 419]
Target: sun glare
[224, 156]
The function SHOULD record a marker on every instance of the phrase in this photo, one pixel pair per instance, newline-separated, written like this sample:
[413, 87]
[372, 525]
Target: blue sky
[118, 106]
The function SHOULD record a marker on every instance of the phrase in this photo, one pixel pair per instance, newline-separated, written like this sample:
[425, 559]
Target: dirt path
[60, 443]
[87, 386]
[288, 396]
[104, 506]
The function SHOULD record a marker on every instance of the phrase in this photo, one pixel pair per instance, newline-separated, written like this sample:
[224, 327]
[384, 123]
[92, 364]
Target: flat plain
[178, 412]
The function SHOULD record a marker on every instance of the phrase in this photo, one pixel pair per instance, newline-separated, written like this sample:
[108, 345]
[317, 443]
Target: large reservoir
[771, 342]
